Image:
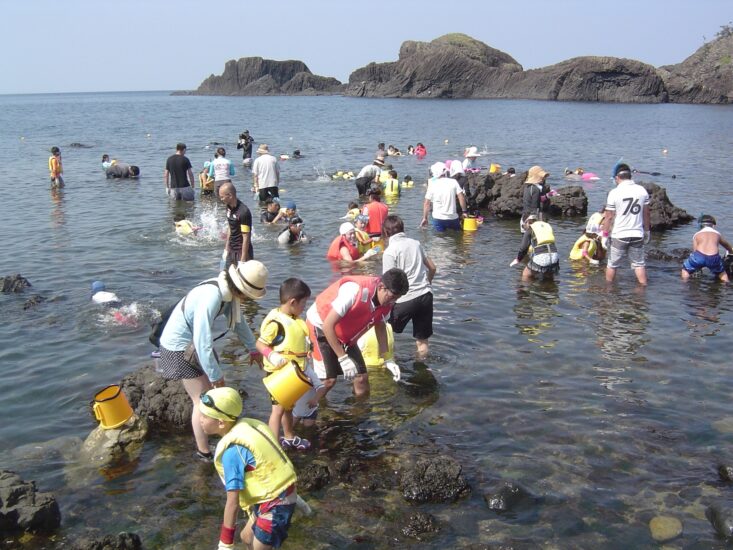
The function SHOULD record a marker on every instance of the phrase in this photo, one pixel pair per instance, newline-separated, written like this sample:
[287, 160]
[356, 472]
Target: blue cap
[97, 286]
[290, 205]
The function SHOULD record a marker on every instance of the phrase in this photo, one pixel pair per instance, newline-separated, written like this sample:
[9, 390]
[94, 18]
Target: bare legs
[194, 388]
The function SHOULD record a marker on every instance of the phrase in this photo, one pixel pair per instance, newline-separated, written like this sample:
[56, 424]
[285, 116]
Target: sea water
[611, 404]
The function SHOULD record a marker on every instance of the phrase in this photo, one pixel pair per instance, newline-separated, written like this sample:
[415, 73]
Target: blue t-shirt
[237, 460]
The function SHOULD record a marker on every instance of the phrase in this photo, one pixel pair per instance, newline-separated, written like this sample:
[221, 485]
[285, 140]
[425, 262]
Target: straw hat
[263, 149]
[536, 175]
[250, 278]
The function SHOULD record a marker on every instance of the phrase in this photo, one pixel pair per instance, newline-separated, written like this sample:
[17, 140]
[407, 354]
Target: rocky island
[458, 66]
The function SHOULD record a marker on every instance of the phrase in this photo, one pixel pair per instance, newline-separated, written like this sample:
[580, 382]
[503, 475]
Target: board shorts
[442, 225]
[181, 193]
[419, 310]
[325, 362]
[272, 520]
[633, 247]
[698, 260]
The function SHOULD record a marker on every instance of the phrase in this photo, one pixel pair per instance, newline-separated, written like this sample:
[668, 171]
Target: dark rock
[15, 283]
[313, 477]
[704, 77]
[509, 497]
[725, 472]
[419, 524]
[77, 145]
[22, 508]
[33, 301]
[721, 520]
[122, 541]
[570, 200]
[163, 403]
[674, 255]
[663, 214]
[250, 76]
[438, 479]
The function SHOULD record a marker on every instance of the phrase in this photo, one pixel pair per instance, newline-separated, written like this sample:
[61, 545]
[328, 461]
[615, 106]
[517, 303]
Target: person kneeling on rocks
[257, 475]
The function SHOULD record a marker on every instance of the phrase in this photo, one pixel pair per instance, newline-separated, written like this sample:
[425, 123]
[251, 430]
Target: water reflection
[621, 326]
[535, 308]
[58, 214]
[702, 302]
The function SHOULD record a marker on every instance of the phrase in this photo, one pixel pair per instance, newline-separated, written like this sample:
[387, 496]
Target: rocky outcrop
[102, 446]
[250, 76]
[163, 403]
[15, 283]
[663, 214]
[23, 508]
[704, 77]
[437, 479]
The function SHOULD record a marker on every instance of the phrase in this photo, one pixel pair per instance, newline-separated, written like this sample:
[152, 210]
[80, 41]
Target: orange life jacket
[362, 315]
[334, 251]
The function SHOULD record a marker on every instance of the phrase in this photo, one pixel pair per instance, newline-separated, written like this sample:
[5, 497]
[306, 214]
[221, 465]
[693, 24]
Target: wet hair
[380, 146]
[293, 289]
[511, 170]
[408, 178]
[180, 147]
[353, 205]
[178, 217]
[392, 174]
[134, 171]
[55, 150]
[221, 151]
[392, 225]
[395, 280]
[706, 220]
[105, 157]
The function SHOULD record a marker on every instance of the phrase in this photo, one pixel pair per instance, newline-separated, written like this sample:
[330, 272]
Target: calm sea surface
[613, 405]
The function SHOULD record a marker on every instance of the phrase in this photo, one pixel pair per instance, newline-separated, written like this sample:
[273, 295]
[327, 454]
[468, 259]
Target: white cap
[345, 228]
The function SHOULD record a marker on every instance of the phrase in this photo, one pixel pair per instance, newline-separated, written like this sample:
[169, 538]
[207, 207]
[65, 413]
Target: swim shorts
[631, 246]
[181, 193]
[698, 260]
[442, 225]
[325, 362]
[419, 310]
[272, 521]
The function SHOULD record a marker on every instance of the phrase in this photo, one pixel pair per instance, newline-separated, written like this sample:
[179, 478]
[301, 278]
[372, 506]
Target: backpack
[156, 328]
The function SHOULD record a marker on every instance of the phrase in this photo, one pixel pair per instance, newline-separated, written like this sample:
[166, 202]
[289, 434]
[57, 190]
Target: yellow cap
[221, 403]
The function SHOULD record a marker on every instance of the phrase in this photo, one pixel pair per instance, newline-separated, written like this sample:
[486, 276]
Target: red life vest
[334, 251]
[361, 316]
[377, 212]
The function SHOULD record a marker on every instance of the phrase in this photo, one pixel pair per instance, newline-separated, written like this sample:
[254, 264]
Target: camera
[242, 135]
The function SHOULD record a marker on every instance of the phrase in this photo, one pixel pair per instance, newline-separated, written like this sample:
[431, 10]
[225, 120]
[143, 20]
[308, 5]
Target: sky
[50, 46]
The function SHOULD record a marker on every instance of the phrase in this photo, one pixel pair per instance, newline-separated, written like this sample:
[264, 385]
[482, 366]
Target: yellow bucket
[287, 385]
[470, 224]
[111, 407]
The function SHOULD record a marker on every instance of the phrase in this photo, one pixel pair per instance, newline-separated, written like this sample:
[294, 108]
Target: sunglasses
[208, 401]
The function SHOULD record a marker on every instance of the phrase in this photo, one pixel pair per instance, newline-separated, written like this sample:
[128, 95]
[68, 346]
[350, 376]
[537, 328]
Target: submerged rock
[33, 301]
[419, 524]
[721, 520]
[438, 479]
[674, 255]
[664, 528]
[23, 508]
[15, 283]
[163, 403]
[122, 541]
[725, 472]
[509, 497]
[103, 446]
[313, 477]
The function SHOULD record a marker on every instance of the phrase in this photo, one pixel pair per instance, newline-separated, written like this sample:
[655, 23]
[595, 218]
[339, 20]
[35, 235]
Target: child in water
[122, 315]
[56, 168]
[589, 245]
[706, 251]
[353, 211]
[272, 209]
[185, 227]
[284, 340]
[294, 233]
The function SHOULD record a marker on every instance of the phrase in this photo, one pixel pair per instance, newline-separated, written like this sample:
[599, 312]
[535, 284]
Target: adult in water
[187, 343]
[122, 170]
[239, 219]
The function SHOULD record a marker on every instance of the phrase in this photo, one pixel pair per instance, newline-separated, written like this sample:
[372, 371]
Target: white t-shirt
[267, 170]
[627, 200]
[222, 169]
[371, 171]
[442, 193]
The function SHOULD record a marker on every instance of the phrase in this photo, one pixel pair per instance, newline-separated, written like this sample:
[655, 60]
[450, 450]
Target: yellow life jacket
[542, 233]
[384, 176]
[273, 471]
[392, 187]
[292, 340]
[184, 227]
[364, 241]
[370, 347]
[577, 251]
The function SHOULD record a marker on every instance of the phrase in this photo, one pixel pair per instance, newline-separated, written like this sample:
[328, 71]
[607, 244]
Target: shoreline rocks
[24, 508]
[164, 404]
[438, 479]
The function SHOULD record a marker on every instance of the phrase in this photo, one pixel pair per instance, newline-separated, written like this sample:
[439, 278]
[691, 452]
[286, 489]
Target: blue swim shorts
[697, 261]
[442, 225]
[272, 522]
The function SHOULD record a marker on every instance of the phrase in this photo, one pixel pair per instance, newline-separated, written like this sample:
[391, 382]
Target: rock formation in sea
[253, 76]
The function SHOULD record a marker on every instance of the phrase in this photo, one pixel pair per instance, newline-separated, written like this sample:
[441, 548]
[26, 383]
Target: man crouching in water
[706, 252]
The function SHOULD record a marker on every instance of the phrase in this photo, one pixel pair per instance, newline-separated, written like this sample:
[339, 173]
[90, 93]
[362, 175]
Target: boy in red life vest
[341, 314]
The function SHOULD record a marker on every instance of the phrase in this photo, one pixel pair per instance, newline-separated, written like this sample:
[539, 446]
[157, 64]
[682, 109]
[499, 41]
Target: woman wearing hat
[534, 191]
[187, 343]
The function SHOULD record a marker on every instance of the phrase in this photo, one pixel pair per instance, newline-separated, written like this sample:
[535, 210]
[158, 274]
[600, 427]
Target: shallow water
[610, 403]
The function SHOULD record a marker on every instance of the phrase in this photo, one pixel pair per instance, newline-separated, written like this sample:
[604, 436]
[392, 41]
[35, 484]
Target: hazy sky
[101, 45]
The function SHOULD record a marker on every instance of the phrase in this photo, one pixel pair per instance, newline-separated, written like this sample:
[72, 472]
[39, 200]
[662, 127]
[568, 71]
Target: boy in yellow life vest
[284, 338]
[256, 473]
[56, 168]
[589, 245]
